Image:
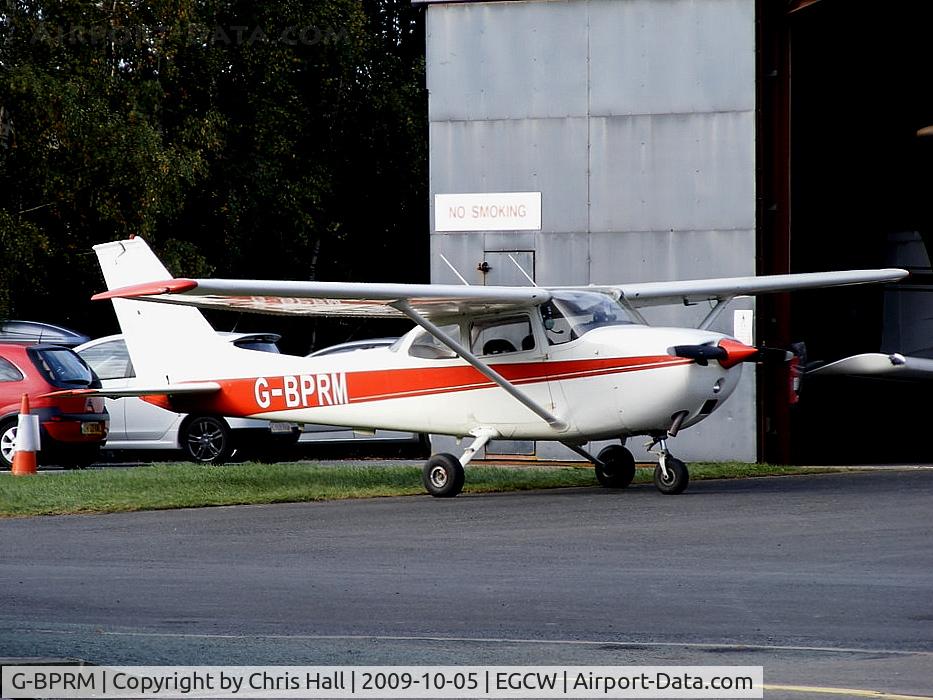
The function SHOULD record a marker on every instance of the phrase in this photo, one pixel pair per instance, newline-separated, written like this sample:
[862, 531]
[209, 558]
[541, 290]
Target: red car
[72, 429]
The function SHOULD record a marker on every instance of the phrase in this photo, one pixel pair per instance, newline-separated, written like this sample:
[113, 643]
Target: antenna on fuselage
[459, 276]
[522, 270]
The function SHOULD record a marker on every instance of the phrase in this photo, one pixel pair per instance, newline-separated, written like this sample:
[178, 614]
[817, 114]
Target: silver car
[210, 439]
[417, 444]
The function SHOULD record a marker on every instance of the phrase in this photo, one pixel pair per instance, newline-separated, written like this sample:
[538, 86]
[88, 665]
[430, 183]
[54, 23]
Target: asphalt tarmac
[826, 581]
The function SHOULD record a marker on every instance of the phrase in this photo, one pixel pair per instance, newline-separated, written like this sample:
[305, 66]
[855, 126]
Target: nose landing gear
[670, 476]
[615, 467]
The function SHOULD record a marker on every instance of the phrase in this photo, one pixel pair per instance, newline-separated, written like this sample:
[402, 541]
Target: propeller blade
[730, 352]
[701, 354]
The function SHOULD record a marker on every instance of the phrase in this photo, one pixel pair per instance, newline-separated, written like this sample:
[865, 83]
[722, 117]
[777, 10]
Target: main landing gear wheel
[676, 479]
[616, 467]
[443, 476]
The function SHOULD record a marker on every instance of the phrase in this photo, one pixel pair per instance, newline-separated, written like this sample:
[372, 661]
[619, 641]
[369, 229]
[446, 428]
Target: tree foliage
[283, 139]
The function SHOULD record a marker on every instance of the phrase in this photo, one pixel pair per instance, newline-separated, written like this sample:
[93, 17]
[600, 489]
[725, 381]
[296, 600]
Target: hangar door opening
[861, 195]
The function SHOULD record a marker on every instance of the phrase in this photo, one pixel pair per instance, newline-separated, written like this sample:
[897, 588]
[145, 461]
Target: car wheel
[423, 448]
[7, 440]
[268, 448]
[206, 440]
[80, 457]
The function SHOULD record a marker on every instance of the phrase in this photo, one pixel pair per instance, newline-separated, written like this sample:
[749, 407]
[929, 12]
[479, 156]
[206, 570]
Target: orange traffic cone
[27, 441]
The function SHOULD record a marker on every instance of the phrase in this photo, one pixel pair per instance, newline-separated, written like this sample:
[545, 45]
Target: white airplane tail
[167, 343]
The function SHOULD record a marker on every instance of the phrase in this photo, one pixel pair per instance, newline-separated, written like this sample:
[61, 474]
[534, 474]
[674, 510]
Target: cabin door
[499, 269]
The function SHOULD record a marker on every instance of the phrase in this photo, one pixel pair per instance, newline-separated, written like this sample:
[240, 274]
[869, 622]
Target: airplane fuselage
[613, 381]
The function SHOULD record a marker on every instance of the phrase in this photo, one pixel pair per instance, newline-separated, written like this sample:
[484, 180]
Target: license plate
[92, 429]
[281, 427]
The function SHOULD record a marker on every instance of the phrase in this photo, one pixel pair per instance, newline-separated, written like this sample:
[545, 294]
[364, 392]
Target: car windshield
[62, 367]
[568, 315]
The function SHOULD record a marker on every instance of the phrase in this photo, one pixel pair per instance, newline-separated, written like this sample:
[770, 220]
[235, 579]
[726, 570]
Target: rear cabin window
[502, 335]
[259, 344]
[428, 347]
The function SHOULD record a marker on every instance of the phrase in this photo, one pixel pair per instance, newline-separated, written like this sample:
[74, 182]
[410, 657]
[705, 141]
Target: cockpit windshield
[568, 315]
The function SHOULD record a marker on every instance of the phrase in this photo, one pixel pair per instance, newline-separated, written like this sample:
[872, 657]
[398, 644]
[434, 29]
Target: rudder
[167, 342]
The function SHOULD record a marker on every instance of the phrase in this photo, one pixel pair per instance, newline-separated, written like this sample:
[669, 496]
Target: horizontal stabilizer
[163, 390]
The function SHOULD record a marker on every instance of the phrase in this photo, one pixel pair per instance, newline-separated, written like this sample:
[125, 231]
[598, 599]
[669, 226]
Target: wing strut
[480, 366]
[714, 313]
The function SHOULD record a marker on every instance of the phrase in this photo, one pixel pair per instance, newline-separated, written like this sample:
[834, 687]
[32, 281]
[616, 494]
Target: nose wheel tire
[443, 476]
[677, 477]
[616, 468]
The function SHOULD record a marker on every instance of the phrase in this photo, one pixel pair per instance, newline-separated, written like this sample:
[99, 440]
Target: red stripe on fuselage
[240, 397]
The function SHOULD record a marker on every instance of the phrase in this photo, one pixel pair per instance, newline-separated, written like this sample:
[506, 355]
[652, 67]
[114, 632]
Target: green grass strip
[191, 486]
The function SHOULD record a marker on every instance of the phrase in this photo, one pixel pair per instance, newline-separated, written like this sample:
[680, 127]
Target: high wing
[879, 366]
[444, 301]
[332, 298]
[686, 292]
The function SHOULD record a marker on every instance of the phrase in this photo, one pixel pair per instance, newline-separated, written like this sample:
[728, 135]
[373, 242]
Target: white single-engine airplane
[571, 364]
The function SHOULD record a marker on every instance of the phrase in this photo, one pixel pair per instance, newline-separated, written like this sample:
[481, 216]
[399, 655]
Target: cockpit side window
[499, 336]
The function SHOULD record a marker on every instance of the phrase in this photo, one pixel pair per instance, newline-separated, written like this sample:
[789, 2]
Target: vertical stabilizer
[167, 343]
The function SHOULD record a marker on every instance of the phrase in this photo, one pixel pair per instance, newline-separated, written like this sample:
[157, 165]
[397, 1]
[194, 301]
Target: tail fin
[167, 343]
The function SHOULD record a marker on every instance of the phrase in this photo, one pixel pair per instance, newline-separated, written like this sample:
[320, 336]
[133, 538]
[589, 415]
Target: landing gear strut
[670, 476]
[443, 475]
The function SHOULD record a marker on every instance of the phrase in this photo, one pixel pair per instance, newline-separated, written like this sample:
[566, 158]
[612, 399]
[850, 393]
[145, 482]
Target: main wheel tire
[207, 440]
[617, 469]
[677, 477]
[7, 442]
[443, 476]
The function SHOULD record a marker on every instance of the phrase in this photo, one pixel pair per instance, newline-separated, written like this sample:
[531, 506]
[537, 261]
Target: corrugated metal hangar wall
[635, 120]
